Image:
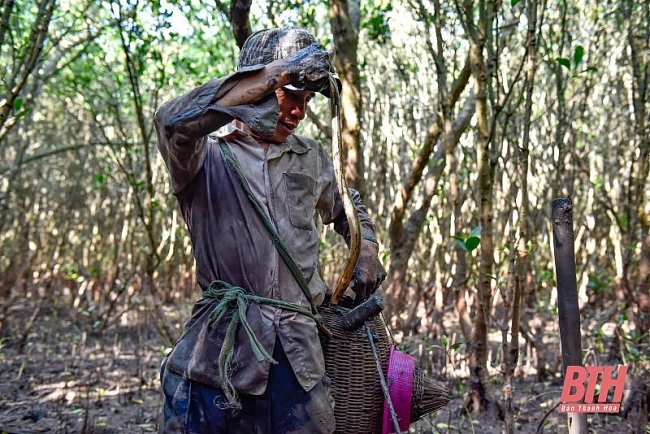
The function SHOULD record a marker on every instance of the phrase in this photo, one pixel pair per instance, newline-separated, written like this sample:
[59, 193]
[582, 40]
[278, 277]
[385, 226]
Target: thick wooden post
[567, 297]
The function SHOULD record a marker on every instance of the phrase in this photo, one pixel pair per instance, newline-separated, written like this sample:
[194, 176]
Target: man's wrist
[281, 69]
[369, 235]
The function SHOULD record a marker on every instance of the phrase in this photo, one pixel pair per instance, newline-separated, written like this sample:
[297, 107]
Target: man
[250, 359]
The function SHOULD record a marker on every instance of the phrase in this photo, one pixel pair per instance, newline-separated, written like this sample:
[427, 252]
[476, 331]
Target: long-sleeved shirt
[291, 181]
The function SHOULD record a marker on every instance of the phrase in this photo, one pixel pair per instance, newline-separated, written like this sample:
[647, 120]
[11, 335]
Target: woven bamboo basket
[356, 386]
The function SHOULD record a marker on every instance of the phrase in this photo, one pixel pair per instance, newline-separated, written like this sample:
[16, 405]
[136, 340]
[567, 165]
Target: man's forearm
[250, 85]
[368, 228]
[206, 108]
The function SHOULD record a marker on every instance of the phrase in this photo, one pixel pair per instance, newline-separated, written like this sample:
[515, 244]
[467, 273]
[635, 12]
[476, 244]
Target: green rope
[275, 237]
[234, 301]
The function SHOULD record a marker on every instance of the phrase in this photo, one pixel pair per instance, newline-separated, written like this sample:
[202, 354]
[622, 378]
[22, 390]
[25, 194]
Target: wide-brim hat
[265, 46]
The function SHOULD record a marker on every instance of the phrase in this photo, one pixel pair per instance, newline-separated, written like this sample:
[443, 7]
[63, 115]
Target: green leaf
[462, 245]
[514, 2]
[578, 54]
[18, 104]
[564, 62]
[476, 232]
[472, 243]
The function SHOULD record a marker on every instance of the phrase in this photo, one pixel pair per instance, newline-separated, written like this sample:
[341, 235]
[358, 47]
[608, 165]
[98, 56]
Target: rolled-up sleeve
[183, 124]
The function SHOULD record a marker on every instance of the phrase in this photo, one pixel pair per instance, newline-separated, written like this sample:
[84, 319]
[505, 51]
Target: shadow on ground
[58, 374]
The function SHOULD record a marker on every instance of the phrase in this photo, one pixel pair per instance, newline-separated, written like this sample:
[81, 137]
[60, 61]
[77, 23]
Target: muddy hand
[369, 272]
[309, 68]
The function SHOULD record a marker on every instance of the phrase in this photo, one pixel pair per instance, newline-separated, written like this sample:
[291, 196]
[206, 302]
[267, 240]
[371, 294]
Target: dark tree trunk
[239, 20]
[344, 21]
[567, 297]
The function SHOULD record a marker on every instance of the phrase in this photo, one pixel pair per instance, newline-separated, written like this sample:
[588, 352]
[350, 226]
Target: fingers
[362, 291]
[380, 280]
[310, 68]
[359, 295]
[367, 285]
[369, 273]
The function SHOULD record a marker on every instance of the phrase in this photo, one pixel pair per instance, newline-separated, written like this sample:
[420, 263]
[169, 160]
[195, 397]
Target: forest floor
[57, 376]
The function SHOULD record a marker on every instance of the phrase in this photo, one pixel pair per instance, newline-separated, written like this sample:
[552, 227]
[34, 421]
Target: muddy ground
[64, 373]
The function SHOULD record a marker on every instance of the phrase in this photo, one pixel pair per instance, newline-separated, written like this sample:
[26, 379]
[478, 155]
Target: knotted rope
[275, 237]
[234, 301]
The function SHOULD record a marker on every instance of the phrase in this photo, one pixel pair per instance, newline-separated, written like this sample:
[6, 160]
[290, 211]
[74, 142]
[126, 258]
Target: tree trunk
[479, 393]
[639, 225]
[567, 297]
[239, 20]
[344, 21]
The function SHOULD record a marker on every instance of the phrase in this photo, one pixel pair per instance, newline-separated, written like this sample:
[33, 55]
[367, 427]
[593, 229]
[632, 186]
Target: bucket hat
[265, 46]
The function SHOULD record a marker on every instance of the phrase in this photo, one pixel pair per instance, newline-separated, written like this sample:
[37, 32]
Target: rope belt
[234, 301]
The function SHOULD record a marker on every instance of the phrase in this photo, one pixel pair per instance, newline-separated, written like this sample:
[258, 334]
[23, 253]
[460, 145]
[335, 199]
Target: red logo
[580, 387]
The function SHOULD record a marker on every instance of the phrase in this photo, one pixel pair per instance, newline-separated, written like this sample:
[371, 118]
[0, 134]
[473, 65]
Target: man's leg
[294, 410]
[176, 400]
[190, 407]
[285, 407]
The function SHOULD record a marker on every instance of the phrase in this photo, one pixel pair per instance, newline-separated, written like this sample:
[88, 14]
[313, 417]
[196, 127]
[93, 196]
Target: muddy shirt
[291, 181]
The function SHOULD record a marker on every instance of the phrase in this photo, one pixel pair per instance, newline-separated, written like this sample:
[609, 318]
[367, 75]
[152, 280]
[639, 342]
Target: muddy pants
[285, 407]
